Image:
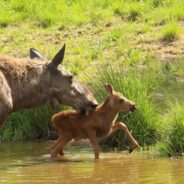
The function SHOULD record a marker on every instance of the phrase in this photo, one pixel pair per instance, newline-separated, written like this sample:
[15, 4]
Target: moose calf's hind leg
[55, 143]
[58, 149]
[123, 127]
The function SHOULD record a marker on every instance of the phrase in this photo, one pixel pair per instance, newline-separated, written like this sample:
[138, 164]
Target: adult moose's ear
[35, 54]
[58, 58]
[109, 89]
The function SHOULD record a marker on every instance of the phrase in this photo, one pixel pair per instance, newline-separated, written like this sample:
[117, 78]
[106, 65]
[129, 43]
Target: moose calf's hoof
[133, 148]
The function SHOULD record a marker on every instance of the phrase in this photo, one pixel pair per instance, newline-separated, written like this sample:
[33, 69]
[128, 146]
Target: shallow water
[30, 162]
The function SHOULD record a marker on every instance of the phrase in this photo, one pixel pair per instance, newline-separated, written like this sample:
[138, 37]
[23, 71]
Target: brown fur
[98, 124]
[28, 83]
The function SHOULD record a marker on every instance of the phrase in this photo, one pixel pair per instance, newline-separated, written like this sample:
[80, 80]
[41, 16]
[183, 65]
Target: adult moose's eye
[70, 78]
[121, 100]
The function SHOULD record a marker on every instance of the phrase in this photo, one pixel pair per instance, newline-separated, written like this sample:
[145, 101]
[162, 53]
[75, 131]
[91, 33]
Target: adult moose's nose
[94, 105]
[88, 108]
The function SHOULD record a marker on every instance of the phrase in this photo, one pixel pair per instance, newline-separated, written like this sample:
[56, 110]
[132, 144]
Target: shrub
[135, 10]
[172, 142]
[28, 124]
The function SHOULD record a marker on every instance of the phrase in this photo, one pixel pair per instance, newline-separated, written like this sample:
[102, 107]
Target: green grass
[138, 87]
[47, 13]
[171, 32]
[28, 124]
[69, 13]
[172, 143]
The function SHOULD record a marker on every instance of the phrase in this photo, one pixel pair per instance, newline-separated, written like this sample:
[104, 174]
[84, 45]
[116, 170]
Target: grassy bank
[137, 85]
[158, 121]
[28, 125]
[135, 45]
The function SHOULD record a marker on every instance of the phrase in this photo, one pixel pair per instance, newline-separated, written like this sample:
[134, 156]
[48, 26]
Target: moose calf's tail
[55, 119]
[58, 118]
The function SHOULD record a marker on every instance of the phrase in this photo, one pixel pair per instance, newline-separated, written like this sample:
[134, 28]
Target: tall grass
[136, 85]
[171, 32]
[28, 124]
[172, 143]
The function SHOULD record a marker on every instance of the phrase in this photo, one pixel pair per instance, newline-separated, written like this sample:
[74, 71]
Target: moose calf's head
[61, 85]
[118, 101]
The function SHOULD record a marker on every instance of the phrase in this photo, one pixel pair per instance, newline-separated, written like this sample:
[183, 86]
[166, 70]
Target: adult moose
[28, 83]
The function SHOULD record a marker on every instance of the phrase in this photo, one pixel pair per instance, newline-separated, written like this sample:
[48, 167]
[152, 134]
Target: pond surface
[29, 162]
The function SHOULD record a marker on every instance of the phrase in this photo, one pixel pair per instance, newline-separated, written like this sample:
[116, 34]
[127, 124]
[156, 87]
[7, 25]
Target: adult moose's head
[62, 86]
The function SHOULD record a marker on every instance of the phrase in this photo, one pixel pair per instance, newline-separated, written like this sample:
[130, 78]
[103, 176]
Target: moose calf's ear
[35, 54]
[58, 58]
[109, 88]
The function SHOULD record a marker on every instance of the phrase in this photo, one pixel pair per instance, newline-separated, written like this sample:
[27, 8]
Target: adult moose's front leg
[123, 127]
[4, 111]
[94, 142]
[6, 102]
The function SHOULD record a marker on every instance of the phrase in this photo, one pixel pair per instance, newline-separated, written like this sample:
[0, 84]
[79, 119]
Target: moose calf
[97, 124]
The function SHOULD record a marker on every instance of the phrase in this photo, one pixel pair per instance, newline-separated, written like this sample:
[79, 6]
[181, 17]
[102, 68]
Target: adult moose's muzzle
[88, 108]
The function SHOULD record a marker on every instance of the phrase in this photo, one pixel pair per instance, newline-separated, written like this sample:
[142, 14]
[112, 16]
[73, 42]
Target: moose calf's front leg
[93, 139]
[123, 127]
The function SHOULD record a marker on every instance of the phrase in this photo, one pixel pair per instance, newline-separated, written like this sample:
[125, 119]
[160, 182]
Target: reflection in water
[30, 163]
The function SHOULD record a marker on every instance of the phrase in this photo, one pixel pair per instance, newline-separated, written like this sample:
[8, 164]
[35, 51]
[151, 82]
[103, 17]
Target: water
[29, 162]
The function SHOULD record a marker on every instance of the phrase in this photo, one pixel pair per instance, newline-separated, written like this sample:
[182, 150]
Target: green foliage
[134, 12]
[172, 143]
[171, 32]
[156, 3]
[168, 73]
[118, 12]
[49, 13]
[136, 86]
[28, 124]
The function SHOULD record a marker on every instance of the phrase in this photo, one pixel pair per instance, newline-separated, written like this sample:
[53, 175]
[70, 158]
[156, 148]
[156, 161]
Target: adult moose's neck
[30, 90]
[30, 98]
